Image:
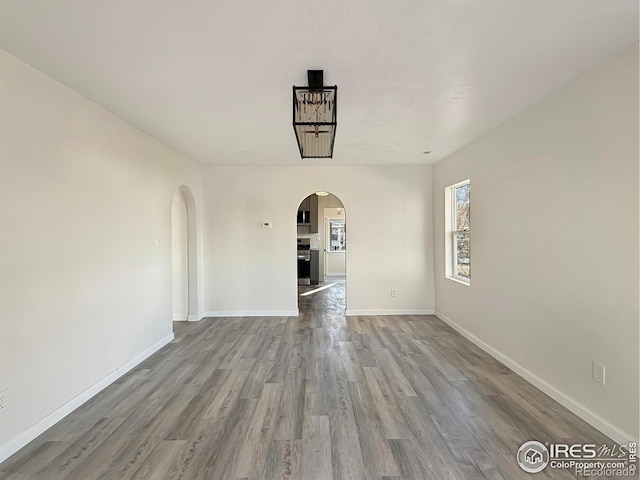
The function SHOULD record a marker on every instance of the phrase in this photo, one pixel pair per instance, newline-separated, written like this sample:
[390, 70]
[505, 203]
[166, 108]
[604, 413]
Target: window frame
[451, 230]
[343, 246]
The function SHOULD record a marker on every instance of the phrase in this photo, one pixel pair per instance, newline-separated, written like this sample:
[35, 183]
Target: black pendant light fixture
[315, 117]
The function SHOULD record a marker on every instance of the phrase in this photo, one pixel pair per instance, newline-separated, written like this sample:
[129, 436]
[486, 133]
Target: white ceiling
[213, 78]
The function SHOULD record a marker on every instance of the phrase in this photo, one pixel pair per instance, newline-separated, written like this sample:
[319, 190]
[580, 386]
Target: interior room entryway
[183, 256]
[321, 247]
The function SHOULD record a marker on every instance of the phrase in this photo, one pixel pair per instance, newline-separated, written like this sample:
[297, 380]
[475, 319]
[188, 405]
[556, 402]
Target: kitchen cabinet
[313, 212]
[309, 218]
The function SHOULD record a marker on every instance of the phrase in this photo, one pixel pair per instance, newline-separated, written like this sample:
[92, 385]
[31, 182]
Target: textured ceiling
[213, 78]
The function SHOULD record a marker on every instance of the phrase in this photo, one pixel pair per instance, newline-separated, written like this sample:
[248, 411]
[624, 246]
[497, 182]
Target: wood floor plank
[163, 457]
[77, 452]
[283, 461]
[28, 463]
[188, 420]
[394, 373]
[316, 449]
[392, 421]
[291, 419]
[317, 396]
[217, 447]
[347, 358]
[253, 452]
[347, 461]
[407, 459]
[377, 457]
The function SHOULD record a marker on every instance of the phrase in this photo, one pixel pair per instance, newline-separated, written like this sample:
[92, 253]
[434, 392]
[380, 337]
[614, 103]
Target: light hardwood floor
[318, 396]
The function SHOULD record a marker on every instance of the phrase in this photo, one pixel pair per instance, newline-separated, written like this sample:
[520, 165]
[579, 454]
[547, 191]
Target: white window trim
[450, 252]
[328, 242]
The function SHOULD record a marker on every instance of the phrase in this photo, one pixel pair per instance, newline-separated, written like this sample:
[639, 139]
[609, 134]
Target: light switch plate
[598, 373]
[3, 400]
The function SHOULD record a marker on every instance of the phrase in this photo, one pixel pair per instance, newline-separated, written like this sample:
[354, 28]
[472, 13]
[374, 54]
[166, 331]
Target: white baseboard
[195, 318]
[144, 355]
[400, 311]
[179, 317]
[250, 313]
[47, 422]
[613, 432]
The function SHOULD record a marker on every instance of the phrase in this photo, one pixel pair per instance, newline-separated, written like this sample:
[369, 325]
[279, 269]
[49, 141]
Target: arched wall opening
[184, 271]
[321, 248]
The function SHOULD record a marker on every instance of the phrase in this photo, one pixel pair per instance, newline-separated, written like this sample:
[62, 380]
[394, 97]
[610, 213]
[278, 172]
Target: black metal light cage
[315, 120]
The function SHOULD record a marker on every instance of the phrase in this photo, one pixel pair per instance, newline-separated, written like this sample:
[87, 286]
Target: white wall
[251, 270]
[336, 264]
[179, 258]
[84, 289]
[554, 223]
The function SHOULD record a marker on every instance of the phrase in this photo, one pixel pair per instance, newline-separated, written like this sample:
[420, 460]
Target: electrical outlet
[394, 292]
[598, 373]
[3, 400]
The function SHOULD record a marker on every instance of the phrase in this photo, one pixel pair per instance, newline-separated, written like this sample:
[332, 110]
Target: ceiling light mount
[315, 116]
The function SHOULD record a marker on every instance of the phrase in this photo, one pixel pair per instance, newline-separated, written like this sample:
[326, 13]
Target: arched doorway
[321, 253]
[183, 256]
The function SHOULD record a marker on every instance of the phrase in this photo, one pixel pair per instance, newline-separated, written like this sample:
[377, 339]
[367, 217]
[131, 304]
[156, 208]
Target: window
[338, 238]
[458, 213]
